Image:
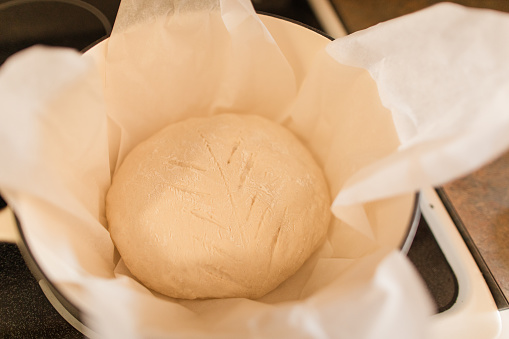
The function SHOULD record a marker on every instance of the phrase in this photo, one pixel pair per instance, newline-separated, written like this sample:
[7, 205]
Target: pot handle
[8, 228]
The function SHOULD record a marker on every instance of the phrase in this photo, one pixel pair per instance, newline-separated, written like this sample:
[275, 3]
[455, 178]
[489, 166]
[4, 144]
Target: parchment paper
[443, 74]
[68, 121]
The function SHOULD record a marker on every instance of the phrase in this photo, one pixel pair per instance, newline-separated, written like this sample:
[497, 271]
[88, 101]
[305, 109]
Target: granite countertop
[479, 205]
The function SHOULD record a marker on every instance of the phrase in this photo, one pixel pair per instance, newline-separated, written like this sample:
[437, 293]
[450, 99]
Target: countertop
[479, 205]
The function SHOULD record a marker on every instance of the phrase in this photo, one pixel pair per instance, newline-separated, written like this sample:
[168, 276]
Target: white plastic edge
[475, 314]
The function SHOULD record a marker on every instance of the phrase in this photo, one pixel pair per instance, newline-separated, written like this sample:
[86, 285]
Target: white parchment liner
[68, 121]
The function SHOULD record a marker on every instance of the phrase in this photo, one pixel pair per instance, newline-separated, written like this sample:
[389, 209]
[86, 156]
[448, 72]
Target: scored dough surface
[221, 206]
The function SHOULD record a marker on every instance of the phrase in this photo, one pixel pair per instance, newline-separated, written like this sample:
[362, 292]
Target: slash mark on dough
[221, 173]
[234, 149]
[185, 164]
[277, 236]
[222, 275]
[245, 171]
[207, 217]
[253, 200]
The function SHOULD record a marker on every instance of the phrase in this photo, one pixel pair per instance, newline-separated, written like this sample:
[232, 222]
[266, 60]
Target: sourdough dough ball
[221, 206]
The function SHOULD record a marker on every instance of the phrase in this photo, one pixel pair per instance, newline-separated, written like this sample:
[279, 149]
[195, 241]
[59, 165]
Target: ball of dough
[221, 206]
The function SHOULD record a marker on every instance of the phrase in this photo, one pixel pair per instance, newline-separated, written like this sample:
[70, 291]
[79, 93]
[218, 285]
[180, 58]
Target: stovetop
[24, 310]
